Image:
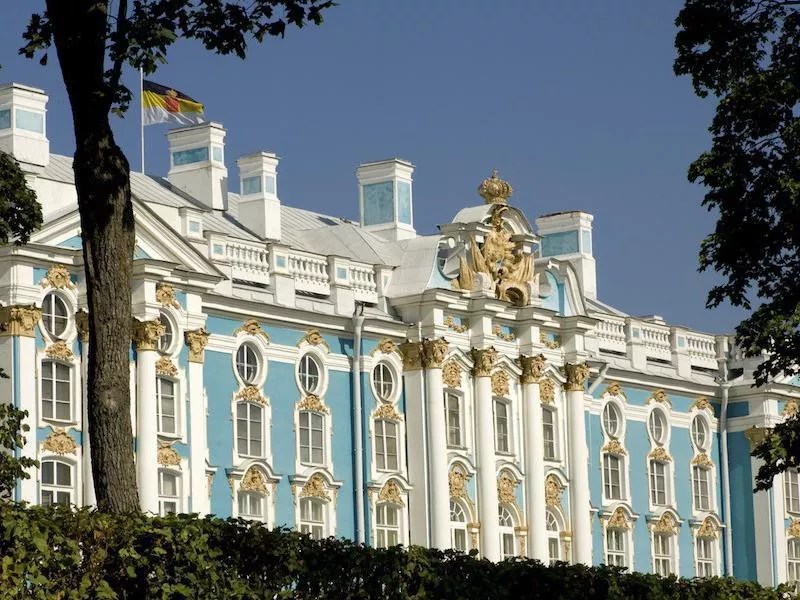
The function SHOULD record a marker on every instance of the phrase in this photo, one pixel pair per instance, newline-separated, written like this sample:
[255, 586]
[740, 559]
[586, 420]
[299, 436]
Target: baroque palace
[465, 389]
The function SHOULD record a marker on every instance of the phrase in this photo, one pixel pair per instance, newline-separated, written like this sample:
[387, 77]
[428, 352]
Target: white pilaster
[578, 464]
[487, 476]
[532, 367]
[146, 333]
[433, 353]
[89, 498]
[197, 340]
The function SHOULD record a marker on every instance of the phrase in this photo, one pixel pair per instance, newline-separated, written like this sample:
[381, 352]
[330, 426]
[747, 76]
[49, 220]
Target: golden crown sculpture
[494, 190]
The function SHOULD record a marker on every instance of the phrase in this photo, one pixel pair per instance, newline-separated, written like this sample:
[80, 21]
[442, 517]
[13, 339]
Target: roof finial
[494, 190]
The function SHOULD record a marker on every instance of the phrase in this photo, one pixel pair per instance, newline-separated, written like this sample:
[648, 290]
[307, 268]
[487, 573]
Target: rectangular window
[615, 547]
[459, 538]
[56, 483]
[386, 445]
[168, 496]
[311, 518]
[612, 474]
[269, 184]
[388, 528]
[311, 435]
[29, 120]
[165, 396]
[701, 487]
[658, 483]
[553, 550]
[188, 157]
[216, 153]
[251, 505]
[662, 554]
[507, 540]
[5, 119]
[453, 410]
[501, 441]
[549, 433]
[251, 185]
[705, 557]
[249, 429]
[56, 391]
[791, 484]
[793, 560]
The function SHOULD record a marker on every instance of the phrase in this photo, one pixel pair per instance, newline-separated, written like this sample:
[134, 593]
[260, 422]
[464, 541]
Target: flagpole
[141, 116]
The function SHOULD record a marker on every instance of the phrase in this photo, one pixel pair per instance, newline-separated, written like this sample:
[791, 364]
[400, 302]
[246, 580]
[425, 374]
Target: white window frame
[249, 422]
[258, 357]
[55, 488]
[311, 415]
[318, 529]
[653, 467]
[384, 531]
[262, 497]
[459, 400]
[551, 410]
[619, 431]
[709, 482]
[606, 471]
[616, 556]
[507, 532]
[380, 446]
[164, 499]
[793, 560]
[705, 566]
[509, 429]
[791, 492]
[663, 439]
[459, 527]
[176, 406]
[700, 422]
[553, 527]
[663, 562]
[171, 327]
[71, 385]
[382, 367]
[68, 306]
[302, 363]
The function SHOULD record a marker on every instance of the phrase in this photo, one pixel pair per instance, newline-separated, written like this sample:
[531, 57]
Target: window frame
[793, 560]
[68, 317]
[620, 555]
[652, 466]
[459, 400]
[709, 562]
[705, 426]
[380, 445]
[53, 388]
[457, 526]
[383, 531]
[54, 487]
[258, 375]
[553, 537]
[552, 411]
[160, 379]
[163, 498]
[663, 438]
[171, 328]
[606, 471]
[659, 558]
[509, 438]
[618, 433]
[310, 415]
[506, 531]
[696, 469]
[250, 405]
[317, 529]
[791, 482]
[387, 367]
[321, 373]
[263, 516]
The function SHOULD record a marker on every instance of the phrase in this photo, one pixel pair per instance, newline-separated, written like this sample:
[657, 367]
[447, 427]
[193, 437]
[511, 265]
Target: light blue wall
[555, 244]
[378, 203]
[404, 202]
[741, 483]
[220, 389]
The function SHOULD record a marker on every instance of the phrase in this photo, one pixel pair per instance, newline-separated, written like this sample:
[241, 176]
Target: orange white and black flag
[161, 104]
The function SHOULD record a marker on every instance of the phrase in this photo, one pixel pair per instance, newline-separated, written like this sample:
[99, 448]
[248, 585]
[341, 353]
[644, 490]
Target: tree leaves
[20, 212]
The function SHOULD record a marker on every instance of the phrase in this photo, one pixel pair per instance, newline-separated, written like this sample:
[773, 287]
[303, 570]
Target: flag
[161, 104]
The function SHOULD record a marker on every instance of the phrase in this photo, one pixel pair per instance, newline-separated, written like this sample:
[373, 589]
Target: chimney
[197, 163]
[22, 125]
[568, 236]
[385, 198]
[259, 206]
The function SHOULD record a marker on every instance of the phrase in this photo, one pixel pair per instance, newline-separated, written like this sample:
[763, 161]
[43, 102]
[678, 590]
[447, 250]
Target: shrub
[76, 554]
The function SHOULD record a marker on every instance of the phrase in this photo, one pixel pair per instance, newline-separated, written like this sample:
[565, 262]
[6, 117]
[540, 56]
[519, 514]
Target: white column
[433, 353]
[578, 464]
[532, 368]
[19, 323]
[487, 470]
[146, 333]
[197, 340]
[89, 498]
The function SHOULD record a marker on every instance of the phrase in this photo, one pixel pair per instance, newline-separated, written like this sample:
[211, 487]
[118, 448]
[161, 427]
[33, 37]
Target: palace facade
[464, 389]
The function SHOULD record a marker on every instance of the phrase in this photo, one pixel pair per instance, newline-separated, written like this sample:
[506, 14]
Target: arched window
[700, 435]
[56, 391]
[55, 316]
[612, 476]
[58, 486]
[458, 526]
[252, 505]
[312, 445]
[386, 445]
[312, 517]
[387, 520]
[383, 380]
[701, 487]
[793, 560]
[612, 420]
[166, 406]
[165, 341]
[250, 429]
[658, 426]
[507, 538]
[169, 497]
[309, 374]
[553, 538]
[549, 433]
[247, 363]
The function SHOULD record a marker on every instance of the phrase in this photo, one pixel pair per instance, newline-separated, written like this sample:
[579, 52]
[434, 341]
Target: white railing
[702, 350]
[611, 334]
[310, 273]
[249, 262]
[365, 287]
[656, 341]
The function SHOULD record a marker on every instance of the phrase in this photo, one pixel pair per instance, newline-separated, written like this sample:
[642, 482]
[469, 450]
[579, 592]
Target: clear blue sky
[574, 102]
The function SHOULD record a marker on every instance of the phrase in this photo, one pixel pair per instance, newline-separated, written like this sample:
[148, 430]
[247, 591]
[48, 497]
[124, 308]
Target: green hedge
[58, 553]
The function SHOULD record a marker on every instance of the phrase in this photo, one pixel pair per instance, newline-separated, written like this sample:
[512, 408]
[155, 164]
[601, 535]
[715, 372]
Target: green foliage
[60, 553]
[140, 33]
[12, 467]
[780, 450]
[746, 53]
[20, 212]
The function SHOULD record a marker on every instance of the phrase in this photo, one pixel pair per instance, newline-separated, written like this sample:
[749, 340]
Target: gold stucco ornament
[168, 456]
[19, 320]
[60, 351]
[660, 455]
[500, 386]
[252, 327]
[146, 333]
[506, 488]
[708, 529]
[451, 374]
[547, 391]
[314, 338]
[457, 479]
[614, 447]
[196, 339]
[412, 355]
[553, 491]
[315, 487]
[576, 376]
[60, 442]
[387, 412]
[494, 190]
[254, 481]
[251, 393]
[452, 325]
[165, 296]
[666, 524]
[313, 403]
[433, 353]
[165, 366]
[532, 368]
[391, 493]
[614, 389]
[58, 277]
[483, 361]
[618, 520]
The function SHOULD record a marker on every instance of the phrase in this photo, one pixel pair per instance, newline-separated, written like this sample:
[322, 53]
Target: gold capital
[82, 324]
[576, 376]
[19, 320]
[483, 361]
[412, 355]
[433, 353]
[146, 333]
[196, 339]
[532, 368]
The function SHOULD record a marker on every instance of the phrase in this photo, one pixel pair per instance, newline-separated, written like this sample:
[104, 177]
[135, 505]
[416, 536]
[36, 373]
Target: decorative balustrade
[611, 334]
[702, 350]
[365, 286]
[249, 262]
[655, 339]
[310, 273]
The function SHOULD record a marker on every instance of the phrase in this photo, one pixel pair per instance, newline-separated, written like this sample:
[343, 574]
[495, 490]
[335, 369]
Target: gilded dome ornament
[451, 374]
[60, 442]
[494, 190]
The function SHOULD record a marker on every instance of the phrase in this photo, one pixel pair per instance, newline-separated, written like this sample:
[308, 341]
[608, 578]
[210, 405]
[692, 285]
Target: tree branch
[121, 53]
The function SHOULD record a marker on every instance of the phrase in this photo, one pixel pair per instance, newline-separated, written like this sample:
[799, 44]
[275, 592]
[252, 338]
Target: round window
[699, 433]
[612, 420]
[247, 363]
[54, 315]
[658, 427]
[383, 380]
[165, 341]
[309, 374]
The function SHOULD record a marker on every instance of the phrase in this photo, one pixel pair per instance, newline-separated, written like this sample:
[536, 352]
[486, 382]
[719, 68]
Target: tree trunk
[102, 180]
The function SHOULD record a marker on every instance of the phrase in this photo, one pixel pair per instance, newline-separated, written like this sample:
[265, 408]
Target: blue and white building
[466, 388]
